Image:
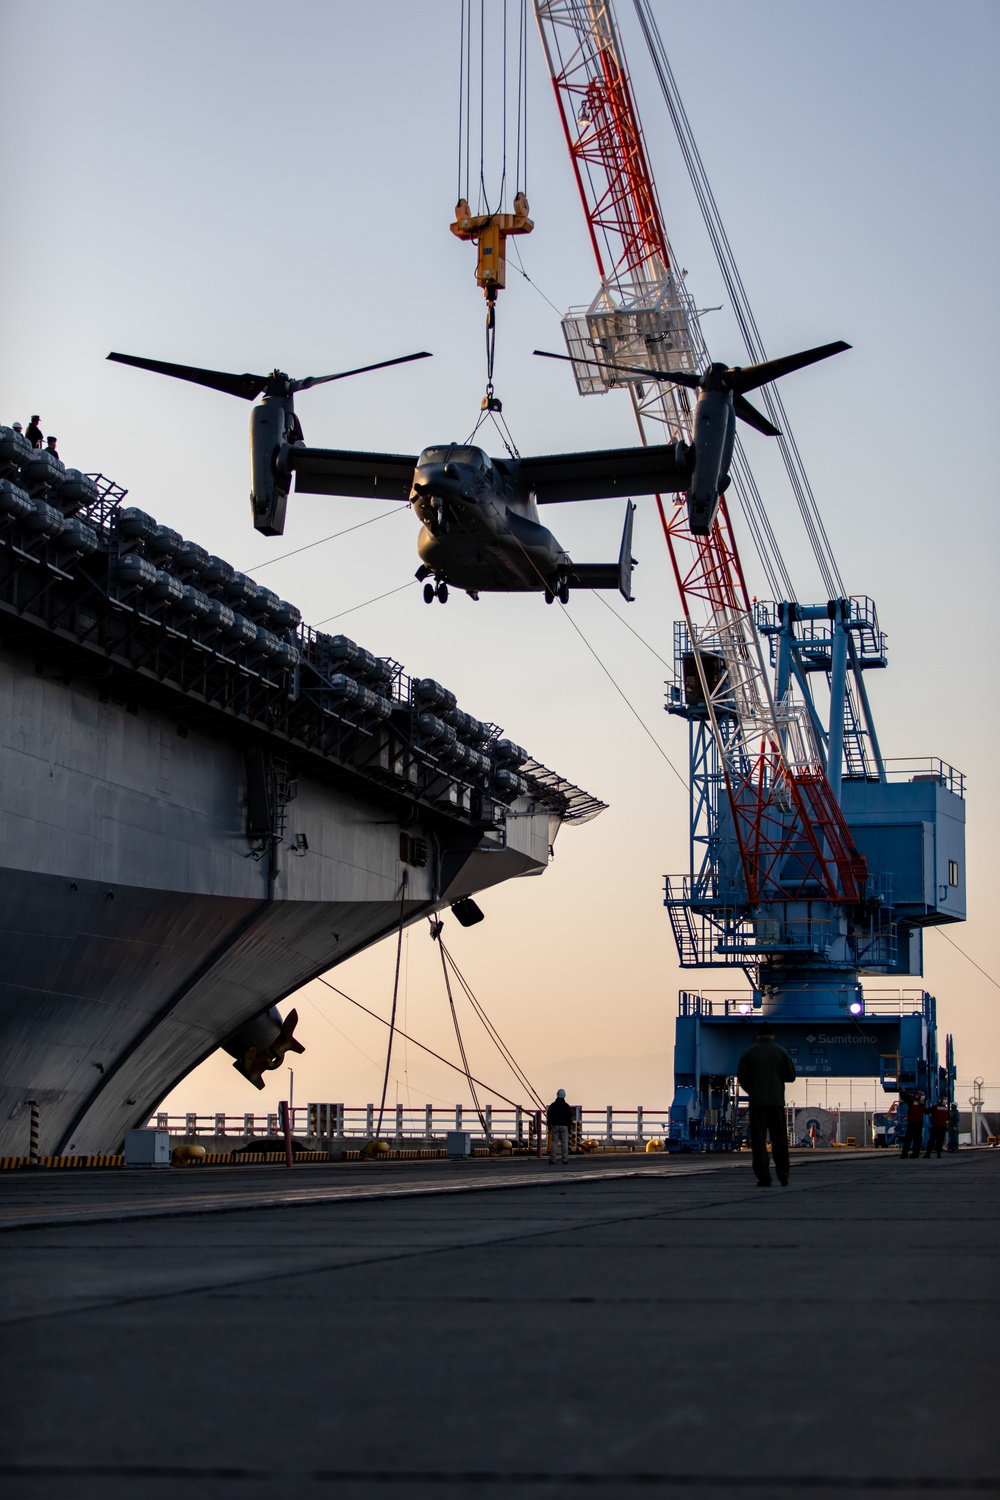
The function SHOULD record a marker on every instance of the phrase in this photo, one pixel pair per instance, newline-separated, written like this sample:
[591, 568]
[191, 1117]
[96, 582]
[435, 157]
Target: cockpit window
[456, 453]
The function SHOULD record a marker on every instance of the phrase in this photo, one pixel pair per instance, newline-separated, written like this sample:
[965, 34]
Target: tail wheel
[442, 592]
[428, 593]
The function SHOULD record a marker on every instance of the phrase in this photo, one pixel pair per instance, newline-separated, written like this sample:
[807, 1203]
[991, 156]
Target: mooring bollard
[286, 1126]
[33, 1136]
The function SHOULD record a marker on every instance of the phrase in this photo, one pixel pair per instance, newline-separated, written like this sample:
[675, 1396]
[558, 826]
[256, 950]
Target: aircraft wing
[603, 473]
[338, 471]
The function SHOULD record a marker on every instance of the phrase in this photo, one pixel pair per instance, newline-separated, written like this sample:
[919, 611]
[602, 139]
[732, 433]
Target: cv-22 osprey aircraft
[481, 528]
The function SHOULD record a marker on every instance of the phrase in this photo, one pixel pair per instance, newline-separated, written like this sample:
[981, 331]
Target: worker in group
[953, 1126]
[939, 1127]
[916, 1108]
[762, 1073]
[34, 433]
[559, 1117]
[50, 447]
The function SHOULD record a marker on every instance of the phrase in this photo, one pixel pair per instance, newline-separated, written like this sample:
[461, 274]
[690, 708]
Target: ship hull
[139, 925]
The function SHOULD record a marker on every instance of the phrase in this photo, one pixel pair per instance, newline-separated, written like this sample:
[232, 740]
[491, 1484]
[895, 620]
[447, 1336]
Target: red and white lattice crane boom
[787, 823]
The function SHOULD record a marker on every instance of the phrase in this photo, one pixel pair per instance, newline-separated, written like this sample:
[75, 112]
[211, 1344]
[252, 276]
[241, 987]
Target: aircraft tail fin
[609, 575]
[626, 562]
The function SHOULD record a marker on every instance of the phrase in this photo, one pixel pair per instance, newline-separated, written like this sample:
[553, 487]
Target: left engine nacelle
[268, 485]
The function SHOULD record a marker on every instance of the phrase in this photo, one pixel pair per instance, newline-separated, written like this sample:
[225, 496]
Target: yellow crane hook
[489, 232]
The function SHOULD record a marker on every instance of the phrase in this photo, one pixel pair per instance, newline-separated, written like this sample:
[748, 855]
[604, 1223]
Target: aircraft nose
[442, 480]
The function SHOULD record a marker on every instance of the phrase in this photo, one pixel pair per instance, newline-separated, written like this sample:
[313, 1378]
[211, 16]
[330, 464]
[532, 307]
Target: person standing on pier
[762, 1073]
[953, 1127]
[559, 1117]
[939, 1128]
[916, 1108]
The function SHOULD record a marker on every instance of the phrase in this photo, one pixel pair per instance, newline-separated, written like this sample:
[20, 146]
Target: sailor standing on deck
[916, 1108]
[939, 1127]
[559, 1117]
[762, 1073]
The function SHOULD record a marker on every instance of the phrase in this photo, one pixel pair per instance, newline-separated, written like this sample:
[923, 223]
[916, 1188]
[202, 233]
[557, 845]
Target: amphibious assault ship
[204, 803]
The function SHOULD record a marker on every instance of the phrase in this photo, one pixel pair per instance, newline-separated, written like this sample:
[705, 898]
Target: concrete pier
[627, 1326]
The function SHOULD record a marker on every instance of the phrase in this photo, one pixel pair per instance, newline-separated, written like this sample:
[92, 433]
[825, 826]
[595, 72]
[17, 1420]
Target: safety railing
[896, 1002]
[607, 1125]
[926, 768]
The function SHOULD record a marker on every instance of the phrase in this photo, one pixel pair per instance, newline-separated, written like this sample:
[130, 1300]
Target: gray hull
[136, 932]
[203, 805]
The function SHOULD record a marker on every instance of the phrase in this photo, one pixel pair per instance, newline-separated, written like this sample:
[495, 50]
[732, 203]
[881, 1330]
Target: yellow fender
[188, 1155]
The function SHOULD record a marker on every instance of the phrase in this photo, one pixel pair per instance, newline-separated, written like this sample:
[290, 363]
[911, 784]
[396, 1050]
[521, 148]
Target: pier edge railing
[414, 1124]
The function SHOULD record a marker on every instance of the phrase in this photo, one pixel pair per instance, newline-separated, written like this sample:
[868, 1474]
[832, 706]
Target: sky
[240, 187]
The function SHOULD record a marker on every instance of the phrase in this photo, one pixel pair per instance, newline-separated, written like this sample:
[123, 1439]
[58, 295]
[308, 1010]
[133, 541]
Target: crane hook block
[489, 232]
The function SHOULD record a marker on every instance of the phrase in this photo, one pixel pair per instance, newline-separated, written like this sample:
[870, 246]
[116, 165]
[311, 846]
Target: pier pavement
[623, 1326]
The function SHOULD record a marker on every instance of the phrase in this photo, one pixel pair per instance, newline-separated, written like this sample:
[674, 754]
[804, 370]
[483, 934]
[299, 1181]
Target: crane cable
[607, 672]
[468, 26]
[465, 106]
[435, 927]
[308, 546]
[751, 502]
[395, 996]
[491, 1030]
[495, 414]
[423, 1047]
[791, 457]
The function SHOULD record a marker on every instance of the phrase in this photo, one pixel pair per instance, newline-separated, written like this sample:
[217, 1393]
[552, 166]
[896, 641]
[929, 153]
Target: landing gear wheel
[428, 593]
[563, 592]
[442, 592]
[549, 596]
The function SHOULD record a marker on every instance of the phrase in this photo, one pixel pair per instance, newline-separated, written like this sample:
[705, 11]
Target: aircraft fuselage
[481, 529]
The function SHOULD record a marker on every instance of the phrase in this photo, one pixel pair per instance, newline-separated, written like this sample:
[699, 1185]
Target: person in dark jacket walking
[762, 1073]
[916, 1107]
[559, 1117]
[939, 1128]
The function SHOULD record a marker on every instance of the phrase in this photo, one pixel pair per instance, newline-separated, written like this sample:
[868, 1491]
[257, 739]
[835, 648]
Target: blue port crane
[814, 862]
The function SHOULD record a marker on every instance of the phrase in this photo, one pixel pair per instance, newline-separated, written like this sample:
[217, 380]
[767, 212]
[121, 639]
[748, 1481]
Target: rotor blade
[310, 380]
[750, 415]
[669, 377]
[751, 376]
[248, 387]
